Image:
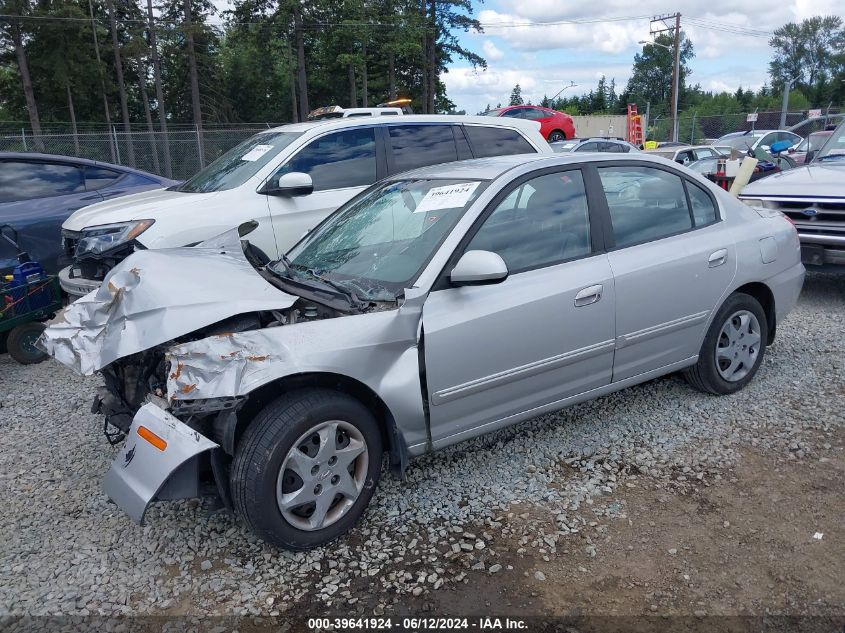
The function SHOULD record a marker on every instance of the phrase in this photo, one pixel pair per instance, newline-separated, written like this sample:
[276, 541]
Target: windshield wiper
[346, 292]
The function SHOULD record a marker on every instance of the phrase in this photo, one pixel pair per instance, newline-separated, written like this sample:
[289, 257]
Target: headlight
[99, 239]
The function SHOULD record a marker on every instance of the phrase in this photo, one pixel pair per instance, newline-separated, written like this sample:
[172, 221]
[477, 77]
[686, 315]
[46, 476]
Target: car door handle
[588, 295]
[718, 258]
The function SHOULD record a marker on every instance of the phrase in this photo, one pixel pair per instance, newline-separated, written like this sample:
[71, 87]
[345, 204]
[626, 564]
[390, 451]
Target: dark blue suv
[39, 191]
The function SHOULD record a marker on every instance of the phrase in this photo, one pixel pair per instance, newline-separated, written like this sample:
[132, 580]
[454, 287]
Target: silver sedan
[435, 306]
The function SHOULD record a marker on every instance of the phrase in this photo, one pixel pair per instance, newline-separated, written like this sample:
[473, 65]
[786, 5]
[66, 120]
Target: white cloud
[491, 53]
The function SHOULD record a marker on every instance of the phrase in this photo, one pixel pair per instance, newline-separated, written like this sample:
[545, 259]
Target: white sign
[446, 197]
[751, 118]
[256, 152]
[813, 113]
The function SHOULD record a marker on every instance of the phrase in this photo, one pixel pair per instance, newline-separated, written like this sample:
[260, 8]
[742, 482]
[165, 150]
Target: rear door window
[497, 141]
[645, 203]
[421, 145]
[26, 180]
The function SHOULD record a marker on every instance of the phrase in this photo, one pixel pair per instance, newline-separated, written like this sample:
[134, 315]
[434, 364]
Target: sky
[544, 45]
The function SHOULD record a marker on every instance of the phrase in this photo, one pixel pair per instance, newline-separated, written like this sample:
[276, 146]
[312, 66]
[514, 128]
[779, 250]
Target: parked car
[813, 197]
[438, 305]
[686, 154]
[554, 126]
[812, 143]
[751, 140]
[40, 191]
[595, 144]
[288, 178]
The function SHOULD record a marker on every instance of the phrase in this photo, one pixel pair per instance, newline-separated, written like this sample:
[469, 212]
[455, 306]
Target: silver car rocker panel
[378, 353]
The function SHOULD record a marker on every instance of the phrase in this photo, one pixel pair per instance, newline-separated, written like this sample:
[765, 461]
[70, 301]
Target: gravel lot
[516, 512]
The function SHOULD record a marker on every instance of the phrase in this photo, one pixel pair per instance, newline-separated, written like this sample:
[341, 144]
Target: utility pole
[676, 65]
[787, 88]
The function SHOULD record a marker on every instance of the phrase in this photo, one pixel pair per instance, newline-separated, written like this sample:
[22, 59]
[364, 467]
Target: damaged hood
[155, 296]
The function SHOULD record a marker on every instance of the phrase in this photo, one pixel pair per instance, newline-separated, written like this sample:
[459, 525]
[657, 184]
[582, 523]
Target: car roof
[332, 124]
[494, 166]
[58, 158]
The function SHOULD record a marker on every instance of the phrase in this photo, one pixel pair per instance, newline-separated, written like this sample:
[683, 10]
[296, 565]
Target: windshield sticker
[256, 152]
[448, 197]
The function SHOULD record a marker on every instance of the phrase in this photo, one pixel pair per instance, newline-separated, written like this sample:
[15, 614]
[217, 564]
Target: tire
[275, 438]
[556, 136]
[21, 343]
[735, 356]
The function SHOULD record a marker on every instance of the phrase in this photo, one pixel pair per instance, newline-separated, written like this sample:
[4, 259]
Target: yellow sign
[651, 145]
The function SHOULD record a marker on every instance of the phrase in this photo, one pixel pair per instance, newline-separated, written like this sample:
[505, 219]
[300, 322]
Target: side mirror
[476, 268]
[288, 185]
[810, 156]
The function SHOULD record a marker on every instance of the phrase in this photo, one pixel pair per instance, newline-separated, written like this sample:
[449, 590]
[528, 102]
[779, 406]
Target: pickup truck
[813, 198]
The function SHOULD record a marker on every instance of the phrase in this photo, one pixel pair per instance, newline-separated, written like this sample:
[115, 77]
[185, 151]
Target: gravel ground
[462, 515]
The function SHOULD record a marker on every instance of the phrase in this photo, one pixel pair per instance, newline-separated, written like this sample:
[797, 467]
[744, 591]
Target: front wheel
[733, 348]
[556, 136]
[306, 468]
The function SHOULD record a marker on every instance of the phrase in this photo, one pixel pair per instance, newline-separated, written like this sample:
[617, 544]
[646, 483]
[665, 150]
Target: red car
[554, 125]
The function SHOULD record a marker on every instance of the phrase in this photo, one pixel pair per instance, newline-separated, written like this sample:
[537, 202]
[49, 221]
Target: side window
[767, 140]
[337, 160]
[421, 145]
[515, 113]
[98, 177]
[535, 114]
[704, 153]
[497, 141]
[27, 181]
[684, 157]
[645, 203]
[542, 222]
[703, 211]
[588, 147]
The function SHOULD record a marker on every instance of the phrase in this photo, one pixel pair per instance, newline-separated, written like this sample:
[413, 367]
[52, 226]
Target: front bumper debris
[157, 446]
[76, 286]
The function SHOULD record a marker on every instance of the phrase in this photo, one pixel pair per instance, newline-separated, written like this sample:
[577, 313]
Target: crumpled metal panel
[378, 349]
[155, 296]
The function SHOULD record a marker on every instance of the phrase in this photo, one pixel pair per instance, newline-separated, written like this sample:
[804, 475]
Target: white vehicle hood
[816, 180]
[154, 296]
[138, 206]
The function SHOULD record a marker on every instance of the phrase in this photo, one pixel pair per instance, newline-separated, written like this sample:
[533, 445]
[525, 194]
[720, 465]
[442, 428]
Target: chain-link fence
[178, 153]
[694, 129]
[183, 150]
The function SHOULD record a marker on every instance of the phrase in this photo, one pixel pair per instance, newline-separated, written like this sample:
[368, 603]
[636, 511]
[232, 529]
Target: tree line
[810, 53]
[177, 61]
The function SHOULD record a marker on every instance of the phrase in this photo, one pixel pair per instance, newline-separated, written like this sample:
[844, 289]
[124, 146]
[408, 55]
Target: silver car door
[546, 332]
[672, 262]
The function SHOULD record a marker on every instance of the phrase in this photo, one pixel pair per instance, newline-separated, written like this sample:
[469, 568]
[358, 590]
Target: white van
[287, 178]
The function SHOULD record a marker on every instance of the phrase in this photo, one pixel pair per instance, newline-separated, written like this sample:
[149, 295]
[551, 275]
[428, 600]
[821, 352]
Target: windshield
[377, 245]
[834, 148]
[740, 142]
[239, 164]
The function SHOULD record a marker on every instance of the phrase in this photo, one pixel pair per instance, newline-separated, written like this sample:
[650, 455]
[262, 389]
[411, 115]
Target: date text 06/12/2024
[416, 624]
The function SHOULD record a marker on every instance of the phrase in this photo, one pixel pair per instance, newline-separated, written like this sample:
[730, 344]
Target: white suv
[288, 179]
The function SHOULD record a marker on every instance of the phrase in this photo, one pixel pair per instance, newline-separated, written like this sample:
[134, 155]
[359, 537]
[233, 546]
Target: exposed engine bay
[133, 380]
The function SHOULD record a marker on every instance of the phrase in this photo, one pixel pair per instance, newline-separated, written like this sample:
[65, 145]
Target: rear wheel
[306, 468]
[21, 343]
[556, 136]
[733, 348]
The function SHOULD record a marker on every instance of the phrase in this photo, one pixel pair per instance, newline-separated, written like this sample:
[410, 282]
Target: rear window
[497, 141]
